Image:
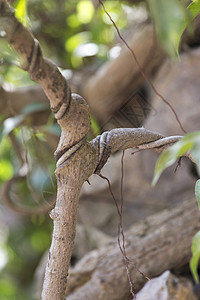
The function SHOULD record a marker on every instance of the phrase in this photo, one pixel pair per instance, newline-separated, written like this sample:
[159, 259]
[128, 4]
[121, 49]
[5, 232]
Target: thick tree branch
[72, 114]
[160, 242]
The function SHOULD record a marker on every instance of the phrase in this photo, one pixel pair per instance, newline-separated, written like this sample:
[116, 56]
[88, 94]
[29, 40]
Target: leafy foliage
[189, 143]
[195, 256]
[171, 18]
[21, 12]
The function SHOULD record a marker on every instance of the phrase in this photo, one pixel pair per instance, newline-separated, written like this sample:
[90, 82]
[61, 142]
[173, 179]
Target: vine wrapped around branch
[77, 158]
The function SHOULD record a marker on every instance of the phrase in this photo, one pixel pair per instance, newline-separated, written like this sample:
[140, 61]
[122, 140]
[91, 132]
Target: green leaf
[195, 153]
[6, 170]
[85, 11]
[194, 8]
[21, 12]
[195, 256]
[170, 18]
[190, 142]
[166, 159]
[76, 40]
[95, 126]
[197, 192]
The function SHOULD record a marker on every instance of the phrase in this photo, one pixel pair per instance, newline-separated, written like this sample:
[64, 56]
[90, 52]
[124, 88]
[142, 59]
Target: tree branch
[72, 114]
[76, 158]
[121, 139]
[160, 242]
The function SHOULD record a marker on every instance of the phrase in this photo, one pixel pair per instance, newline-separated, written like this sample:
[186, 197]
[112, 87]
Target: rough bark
[159, 243]
[167, 286]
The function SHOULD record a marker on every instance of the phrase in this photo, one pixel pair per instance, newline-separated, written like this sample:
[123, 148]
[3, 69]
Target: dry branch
[159, 243]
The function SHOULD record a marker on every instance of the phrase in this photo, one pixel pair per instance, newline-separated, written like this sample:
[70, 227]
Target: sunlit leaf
[194, 8]
[73, 21]
[77, 39]
[21, 12]
[195, 256]
[95, 126]
[85, 11]
[166, 159]
[6, 170]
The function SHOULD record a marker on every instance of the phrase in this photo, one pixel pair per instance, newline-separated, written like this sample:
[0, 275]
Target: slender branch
[159, 143]
[121, 139]
[70, 179]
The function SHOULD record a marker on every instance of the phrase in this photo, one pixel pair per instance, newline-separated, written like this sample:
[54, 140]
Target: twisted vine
[77, 158]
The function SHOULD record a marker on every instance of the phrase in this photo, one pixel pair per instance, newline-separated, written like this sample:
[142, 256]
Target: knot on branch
[102, 142]
[124, 138]
[75, 125]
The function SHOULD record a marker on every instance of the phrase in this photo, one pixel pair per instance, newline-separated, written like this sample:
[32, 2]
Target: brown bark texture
[160, 242]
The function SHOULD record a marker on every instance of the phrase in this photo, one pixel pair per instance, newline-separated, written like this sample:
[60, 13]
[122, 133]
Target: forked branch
[77, 158]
